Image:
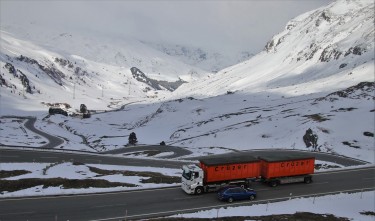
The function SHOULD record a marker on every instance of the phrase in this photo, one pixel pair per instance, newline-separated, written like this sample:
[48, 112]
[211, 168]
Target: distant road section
[52, 140]
[177, 151]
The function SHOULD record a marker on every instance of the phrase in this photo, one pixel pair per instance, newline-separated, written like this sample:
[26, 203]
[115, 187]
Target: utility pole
[129, 86]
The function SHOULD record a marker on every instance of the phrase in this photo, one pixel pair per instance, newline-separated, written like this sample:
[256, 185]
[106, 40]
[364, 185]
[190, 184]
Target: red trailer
[229, 169]
[286, 168]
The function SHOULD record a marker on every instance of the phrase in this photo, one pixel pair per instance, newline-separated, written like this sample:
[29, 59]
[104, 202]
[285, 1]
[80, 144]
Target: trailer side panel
[275, 169]
[226, 172]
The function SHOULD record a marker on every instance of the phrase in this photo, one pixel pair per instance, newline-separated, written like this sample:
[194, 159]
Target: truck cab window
[186, 174]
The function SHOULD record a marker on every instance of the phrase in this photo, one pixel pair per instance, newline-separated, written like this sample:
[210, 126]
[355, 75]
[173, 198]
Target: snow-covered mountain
[204, 59]
[111, 50]
[39, 66]
[322, 50]
[318, 73]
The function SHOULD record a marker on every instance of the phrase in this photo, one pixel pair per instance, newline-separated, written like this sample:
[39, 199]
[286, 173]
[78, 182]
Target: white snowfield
[68, 170]
[349, 205]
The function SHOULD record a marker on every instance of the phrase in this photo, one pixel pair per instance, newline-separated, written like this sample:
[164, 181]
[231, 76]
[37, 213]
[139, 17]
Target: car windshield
[186, 174]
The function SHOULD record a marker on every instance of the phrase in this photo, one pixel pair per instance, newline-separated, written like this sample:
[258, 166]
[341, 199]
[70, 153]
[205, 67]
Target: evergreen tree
[132, 138]
[310, 139]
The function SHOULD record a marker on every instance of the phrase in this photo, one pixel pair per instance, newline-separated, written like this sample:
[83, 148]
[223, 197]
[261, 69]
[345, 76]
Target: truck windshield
[187, 174]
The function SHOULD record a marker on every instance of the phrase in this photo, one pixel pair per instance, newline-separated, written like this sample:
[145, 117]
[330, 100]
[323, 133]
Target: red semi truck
[214, 173]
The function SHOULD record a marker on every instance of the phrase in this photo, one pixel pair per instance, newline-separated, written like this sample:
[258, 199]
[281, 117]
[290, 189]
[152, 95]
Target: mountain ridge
[313, 49]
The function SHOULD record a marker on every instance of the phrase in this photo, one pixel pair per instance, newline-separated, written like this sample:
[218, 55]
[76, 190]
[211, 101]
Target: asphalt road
[177, 151]
[167, 201]
[46, 156]
[53, 141]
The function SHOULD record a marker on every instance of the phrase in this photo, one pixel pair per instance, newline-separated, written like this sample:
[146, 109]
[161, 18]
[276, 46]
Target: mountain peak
[331, 46]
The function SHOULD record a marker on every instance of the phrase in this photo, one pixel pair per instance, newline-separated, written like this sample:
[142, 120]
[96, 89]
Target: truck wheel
[308, 180]
[230, 200]
[274, 184]
[252, 197]
[198, 190]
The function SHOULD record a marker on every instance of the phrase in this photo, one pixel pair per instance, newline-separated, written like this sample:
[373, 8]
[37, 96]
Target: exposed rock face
[25, 82]
[329, 33]
[363, 90]
[17, 74]
[52, 72]
[11, 69]
[155, 84]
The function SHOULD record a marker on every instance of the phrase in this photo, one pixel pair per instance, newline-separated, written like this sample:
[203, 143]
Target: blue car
[236, 193]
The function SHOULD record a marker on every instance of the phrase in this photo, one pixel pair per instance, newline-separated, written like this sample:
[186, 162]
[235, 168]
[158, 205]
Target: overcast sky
[221, 25]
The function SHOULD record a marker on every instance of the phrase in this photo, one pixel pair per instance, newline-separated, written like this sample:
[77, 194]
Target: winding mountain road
[41, 154]
[177, 151]
[53, 141]
[102, 157]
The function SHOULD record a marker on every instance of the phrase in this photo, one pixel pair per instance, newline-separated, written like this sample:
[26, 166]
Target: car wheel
[230, 200]
[252, 197]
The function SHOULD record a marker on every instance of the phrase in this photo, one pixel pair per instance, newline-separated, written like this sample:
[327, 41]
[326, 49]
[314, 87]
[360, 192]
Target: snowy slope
[76, 69]
[309, 77]
[111, 50]
[53, 77]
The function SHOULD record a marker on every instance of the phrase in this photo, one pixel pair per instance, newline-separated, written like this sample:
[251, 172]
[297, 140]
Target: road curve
[177, 151]
[53, 141]
[9, 155]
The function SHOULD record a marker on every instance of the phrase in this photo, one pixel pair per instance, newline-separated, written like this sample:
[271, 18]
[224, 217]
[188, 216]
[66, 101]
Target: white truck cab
[192, 179]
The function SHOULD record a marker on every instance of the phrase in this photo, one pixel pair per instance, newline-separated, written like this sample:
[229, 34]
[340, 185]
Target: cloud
[219, 25]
